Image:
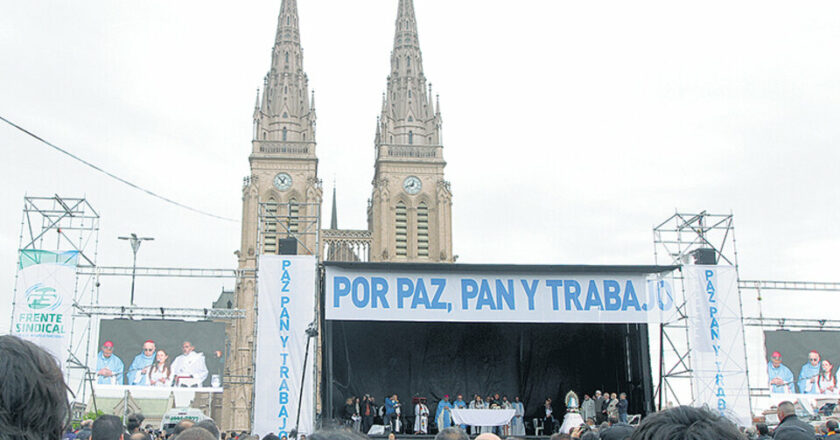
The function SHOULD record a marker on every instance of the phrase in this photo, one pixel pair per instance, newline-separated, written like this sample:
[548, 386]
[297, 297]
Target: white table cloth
[482, 417]
[570, 422]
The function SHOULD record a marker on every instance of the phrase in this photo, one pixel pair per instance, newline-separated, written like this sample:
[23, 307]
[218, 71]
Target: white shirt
[191, 364]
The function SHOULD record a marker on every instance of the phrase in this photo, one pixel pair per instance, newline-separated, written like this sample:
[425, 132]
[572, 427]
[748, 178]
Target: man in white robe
[517, 425]
[421, 417]
[189, 369]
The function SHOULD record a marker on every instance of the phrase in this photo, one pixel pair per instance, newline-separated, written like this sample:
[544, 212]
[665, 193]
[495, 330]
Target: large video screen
[160, 353]
[803, 362]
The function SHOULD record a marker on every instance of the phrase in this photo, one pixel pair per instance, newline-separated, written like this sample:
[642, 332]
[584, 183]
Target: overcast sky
[570, 128]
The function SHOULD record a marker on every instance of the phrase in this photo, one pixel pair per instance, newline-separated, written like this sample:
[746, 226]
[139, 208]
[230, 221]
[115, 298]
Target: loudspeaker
[706, 256]
[287, 246]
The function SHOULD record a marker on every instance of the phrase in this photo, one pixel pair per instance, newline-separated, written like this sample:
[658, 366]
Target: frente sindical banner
[285, 308]
[716, 334]
[44, 298]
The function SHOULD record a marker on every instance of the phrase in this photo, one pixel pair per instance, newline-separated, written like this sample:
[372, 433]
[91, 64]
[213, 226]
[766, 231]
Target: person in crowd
[160, 374]
[349, 412]
[623, 404]
[134, 424]
[617, 430]
[601, 402]
[421, 416]
[33, 395]
[487, 436]
[337, 434]
[459, 403]
[196, 433]
[612, 406]
[808, 374]
[182, 426]
[138, 371]
[826, 381]
[109, 367]
[368, 411]
[790, 427]
[189, 369]
[451, 433]
[443, 415]
[686, 423]
[517, 424]
[762, 431]
[548, 417]
[392, 409]
[831, 427]
[587, 407]
[780, 377]
[84, 429]
[107, 427]
[210, 426]
[357, 418]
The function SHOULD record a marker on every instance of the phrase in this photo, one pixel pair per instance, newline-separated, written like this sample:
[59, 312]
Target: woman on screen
[826, 382]
[161, 375]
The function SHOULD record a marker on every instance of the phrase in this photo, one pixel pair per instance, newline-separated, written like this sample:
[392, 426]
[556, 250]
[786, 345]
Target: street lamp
[135, 246]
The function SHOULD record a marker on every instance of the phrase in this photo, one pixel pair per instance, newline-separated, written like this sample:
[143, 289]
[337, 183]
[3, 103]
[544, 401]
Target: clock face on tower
[282, 181]
[412, 185]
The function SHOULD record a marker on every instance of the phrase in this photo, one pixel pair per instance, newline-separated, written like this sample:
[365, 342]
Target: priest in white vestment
[517, 425]
[189, 369]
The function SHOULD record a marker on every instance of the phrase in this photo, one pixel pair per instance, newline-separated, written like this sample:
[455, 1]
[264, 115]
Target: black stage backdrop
[533, 361]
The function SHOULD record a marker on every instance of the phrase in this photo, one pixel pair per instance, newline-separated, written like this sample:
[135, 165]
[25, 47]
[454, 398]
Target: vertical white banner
[716, 335]
[285, 308]
[43, 300]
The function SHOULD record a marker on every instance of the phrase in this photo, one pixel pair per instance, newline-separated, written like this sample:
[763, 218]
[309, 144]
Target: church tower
[278, 197]
[410, 210]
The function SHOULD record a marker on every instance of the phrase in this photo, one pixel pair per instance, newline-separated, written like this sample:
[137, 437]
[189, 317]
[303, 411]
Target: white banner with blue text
[716, 335]
[44, 299]
[372, 294]
[286, 307]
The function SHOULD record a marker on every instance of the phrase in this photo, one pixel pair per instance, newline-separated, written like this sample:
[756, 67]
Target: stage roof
[501, 268]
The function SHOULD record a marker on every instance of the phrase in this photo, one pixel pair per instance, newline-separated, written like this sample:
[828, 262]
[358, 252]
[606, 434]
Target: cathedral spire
[334, 218]
[286, 110]
[407, 116]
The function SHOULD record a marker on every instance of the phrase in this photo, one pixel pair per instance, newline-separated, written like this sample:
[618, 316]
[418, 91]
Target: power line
[113, 176]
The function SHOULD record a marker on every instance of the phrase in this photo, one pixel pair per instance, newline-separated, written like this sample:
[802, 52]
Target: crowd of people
[817, 376]
[34, 406]
[152, 367]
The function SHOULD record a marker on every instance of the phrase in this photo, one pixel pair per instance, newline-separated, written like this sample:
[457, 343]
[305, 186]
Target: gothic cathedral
[409, 212]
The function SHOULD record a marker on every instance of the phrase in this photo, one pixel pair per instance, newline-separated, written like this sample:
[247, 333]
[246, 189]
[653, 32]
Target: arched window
[410, 118]
[409, 93]
[287, 56]
[410, 138]
[401, 229]
[398, 62]
[304, 136]
[287, 23]
[285, 115]
[285, 89]
[294, 215]
[422, 230]
[408, 62]
[284, 133]
[270, 222]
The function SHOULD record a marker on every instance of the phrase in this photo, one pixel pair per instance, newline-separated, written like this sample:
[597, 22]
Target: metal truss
[789, 285]
[797, 323]
[66, 224]
[173, 272]
[675, 241]
[157, 312]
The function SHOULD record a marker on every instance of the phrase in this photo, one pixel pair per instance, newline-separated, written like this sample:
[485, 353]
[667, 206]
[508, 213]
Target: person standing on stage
[600, 407]
[459, 403]
[780, 376]
[391, 405]
[109, 367]
[421, 416]
[548, 417]
[138, 371]
[612, 407]
[517, 425]
[587, 408]
[443, 416]
[477, 403]
[623, 404]
[160, 374]
[809, 373]
[368, 410]
[506, 405]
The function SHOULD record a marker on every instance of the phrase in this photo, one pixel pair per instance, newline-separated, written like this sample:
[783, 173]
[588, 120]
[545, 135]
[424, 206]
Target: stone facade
[409, 213]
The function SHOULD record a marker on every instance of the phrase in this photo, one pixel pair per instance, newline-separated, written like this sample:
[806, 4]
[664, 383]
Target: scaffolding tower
[681, 239]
